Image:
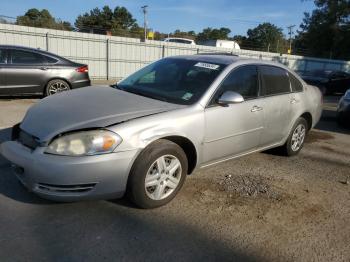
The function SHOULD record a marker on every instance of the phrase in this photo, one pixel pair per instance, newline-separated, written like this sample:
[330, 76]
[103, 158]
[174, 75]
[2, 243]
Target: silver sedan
[144, 135]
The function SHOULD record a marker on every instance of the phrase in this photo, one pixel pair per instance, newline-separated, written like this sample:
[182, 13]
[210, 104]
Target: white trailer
[221, 43]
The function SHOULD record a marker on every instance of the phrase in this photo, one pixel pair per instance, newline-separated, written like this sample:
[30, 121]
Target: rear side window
[50, 60]
[25, 57]
[275, 80]
[243, 80]
[295, 83]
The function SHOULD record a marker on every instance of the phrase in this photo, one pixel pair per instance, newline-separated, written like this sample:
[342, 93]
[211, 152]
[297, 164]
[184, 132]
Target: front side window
[174, 80]
[243, 80]
[275, 80]
[25, 57]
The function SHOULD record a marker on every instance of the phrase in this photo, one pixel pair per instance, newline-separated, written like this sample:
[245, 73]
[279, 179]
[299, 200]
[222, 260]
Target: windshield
[174, 80]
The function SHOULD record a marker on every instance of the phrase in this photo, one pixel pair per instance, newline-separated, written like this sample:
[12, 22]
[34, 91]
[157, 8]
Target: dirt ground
[262, 207]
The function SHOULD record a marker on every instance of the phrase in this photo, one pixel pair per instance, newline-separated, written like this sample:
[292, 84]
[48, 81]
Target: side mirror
[230, 97]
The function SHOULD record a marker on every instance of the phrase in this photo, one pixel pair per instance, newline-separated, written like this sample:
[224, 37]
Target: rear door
[3, 61]
[277, 104]
[26, 72]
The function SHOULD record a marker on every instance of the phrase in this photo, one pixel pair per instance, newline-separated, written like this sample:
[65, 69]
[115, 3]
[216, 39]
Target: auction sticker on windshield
[207, 65]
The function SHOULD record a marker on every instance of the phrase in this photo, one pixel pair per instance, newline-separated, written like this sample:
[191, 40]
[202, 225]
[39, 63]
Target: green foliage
[36, 18]
[118, 21]
[213, 34]
[326, 31]
[188, 35]
[265, 36]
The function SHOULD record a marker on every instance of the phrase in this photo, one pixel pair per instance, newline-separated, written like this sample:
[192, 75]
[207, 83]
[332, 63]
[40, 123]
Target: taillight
[82, 69]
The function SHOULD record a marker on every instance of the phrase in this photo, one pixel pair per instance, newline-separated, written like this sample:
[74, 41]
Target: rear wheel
[157, 174]
[56, 86]
[296, 139]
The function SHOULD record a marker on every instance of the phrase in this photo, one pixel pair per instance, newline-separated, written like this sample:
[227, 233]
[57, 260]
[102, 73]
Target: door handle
[294, 101]
[43, 68]
[256, 109]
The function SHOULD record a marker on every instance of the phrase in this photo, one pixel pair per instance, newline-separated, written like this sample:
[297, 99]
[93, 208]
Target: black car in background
[343, 110]
[27, 71]
[329, 81]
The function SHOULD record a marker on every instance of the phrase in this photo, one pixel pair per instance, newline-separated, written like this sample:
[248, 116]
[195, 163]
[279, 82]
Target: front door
[234, 129]
[25, 72]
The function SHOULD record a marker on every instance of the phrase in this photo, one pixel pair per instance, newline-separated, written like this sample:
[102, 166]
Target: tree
[213, 34]
[183, 34]
[118, 21]
[36, 18]
[326, 31]
[265, 36]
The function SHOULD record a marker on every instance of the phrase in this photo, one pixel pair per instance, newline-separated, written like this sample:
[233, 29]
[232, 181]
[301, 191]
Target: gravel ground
[262, 207]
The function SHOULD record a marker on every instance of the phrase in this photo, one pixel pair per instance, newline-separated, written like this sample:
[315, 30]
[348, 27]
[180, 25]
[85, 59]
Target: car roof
[33, 49]
[228, 59]
[179, 38]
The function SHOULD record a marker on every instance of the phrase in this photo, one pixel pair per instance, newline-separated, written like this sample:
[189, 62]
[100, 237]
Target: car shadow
[102, 231]
[18, 97]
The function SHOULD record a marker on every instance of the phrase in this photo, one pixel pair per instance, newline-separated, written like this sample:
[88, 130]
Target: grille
[80, 188]
[27, 140]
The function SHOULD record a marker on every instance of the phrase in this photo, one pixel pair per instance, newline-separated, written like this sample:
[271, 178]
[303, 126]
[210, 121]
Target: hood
[89, 107]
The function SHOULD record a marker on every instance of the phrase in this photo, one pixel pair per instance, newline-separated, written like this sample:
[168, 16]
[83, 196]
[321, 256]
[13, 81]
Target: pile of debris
[248, 185]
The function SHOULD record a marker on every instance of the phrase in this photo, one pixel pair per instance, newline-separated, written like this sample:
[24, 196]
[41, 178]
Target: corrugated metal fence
[116, 57]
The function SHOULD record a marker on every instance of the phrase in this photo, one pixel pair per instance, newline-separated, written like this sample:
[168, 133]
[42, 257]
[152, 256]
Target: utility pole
[144, 10]
[290, 29]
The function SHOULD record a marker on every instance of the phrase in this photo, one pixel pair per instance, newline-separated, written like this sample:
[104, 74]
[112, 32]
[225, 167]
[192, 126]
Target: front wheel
[296, 139]
[157, 174]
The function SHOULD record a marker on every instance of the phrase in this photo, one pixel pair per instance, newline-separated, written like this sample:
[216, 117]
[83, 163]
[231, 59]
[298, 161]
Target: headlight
[85, 143]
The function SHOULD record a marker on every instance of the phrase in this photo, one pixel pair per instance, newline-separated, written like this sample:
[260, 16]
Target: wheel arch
[308, 117]
[189, 149]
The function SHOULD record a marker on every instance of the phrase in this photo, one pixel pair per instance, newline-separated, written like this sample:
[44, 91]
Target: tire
[163, 184]
[56, 86]
[296, 142]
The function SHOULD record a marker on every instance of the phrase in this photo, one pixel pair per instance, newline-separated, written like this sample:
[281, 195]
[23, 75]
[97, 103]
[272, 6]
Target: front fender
[139, 133]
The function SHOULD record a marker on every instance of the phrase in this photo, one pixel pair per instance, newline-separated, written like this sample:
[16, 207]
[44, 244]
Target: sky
[168, 15]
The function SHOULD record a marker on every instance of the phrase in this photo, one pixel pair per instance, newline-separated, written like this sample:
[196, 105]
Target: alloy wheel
[57, 87]
[163, 177]
[298, 137]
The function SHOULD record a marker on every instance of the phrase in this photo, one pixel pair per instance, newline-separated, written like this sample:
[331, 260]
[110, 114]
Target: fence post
[47, 41]
[107, 58]
[163, 51]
